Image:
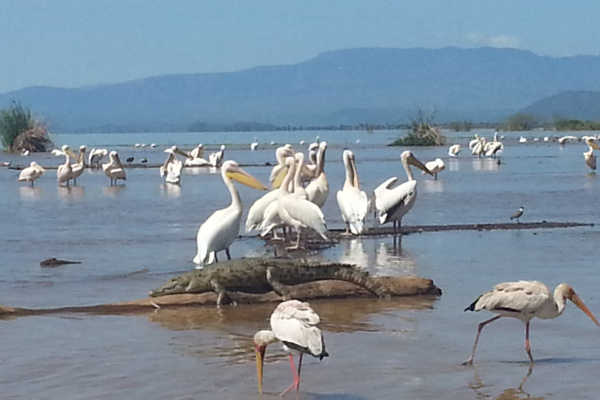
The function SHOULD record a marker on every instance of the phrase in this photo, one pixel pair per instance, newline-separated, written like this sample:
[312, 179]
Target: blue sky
[72, 43]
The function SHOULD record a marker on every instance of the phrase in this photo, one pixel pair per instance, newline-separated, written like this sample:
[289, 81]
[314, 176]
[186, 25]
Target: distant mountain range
[369, 85]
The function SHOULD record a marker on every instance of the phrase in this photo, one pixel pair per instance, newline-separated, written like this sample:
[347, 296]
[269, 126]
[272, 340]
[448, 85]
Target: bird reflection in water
[355, 253]
[171, 191]
[389, 262]
[70, 192]
[113, 191]
[30, 193]
[507, 394]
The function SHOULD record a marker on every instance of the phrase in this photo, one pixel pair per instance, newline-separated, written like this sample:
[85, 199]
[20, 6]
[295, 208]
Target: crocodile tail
[294, 273]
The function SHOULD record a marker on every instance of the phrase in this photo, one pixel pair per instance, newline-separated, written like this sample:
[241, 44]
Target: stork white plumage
[295, 325]
[31, 173]
[353, 202]
[588, 156]
[393, 203]
[525, 300]
[221, 228]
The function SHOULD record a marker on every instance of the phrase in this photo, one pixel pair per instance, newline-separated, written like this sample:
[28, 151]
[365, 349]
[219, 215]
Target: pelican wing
[308, 214]
[257, 210]
[217, 233]
[396, 202]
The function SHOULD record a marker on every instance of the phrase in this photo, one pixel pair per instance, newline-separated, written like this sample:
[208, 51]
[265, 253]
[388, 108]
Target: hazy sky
[72, 43]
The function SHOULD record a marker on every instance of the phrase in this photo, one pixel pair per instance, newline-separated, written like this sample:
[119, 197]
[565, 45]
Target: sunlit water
[133, 237]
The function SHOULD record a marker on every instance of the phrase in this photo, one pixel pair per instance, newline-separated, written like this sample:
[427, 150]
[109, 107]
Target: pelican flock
[295, 325]
[525, 300]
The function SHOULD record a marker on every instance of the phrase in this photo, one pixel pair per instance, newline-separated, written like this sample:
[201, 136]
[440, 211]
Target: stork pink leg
[527, 346]
[481, 325]
[296, 384]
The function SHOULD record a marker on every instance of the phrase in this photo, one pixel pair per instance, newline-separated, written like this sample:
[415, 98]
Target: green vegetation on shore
[21, 131]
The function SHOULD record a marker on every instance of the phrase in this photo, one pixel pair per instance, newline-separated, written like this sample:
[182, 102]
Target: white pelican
[31, 173]
[295, 211]
[294, 324]
[172, 167]
[216, 158]
[196, 157]
[312, 163]
[96, 155]
[79, 166]
[254, 145]
[525, 300]
[280, 155]
[353, 202]
[522, 139]
[518, 214]
[477, 150]
[221, 228]
[114, 169]
[24, 152]
[64, 173]
[588, 156]
[454, 150]
[318, 189]
[393, 204]
[435, 166]
[473, 142]
[297, 188]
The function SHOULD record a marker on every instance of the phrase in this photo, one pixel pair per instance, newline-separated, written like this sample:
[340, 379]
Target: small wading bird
[517, 215]
[525, 300]
[221, 228]
[31, 173]
[294, 324]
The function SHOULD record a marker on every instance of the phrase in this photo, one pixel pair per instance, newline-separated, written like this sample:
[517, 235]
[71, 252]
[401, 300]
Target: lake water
[133, 237]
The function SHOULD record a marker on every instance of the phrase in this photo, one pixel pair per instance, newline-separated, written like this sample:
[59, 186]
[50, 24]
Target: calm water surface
[133, 237]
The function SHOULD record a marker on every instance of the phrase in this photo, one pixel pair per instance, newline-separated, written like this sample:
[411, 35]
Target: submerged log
[397, 286]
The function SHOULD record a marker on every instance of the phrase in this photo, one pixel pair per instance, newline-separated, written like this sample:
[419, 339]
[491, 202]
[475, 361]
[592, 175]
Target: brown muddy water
[133, 237]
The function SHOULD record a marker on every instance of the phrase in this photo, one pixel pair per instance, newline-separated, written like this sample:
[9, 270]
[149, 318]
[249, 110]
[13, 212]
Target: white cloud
[494, 41]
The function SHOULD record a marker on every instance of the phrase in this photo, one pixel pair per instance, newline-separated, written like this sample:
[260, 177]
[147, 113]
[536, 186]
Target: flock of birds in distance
[299, 189]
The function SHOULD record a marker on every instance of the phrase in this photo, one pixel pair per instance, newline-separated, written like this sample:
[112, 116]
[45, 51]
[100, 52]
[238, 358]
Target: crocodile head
[175, 285]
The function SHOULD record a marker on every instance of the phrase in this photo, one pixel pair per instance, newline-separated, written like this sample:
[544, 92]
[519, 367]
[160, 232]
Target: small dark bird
[129, 159]
[144, 160]
[517, 215]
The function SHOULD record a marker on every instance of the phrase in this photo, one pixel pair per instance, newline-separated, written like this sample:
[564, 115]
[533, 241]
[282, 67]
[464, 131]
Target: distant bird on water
[129, 159]
[518, 215]
[525, 300]
[31, 173]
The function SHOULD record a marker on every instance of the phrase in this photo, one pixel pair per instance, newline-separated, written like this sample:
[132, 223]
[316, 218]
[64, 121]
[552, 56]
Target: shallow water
[133, 237]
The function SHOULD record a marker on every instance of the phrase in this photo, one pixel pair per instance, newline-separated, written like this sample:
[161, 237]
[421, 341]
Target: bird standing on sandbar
[517, 215]
[525, 300]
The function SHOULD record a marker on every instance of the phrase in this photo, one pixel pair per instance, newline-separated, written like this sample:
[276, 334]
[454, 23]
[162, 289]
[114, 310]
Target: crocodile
[262, 275]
